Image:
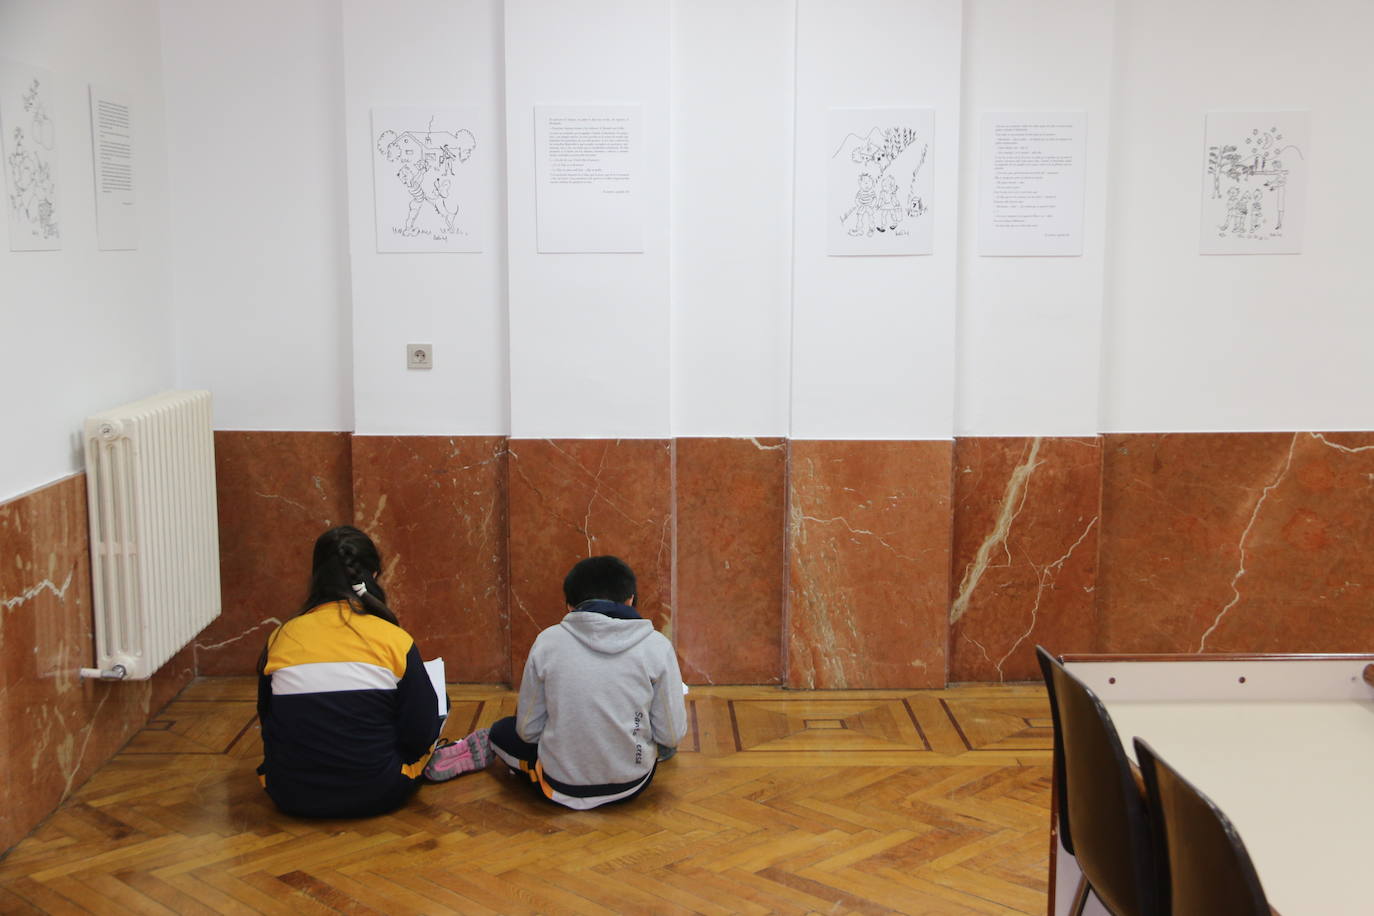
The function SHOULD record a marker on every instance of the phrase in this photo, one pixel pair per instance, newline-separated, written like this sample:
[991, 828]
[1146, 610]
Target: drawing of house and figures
[879, 181]
[424, 179]
[1254, 182]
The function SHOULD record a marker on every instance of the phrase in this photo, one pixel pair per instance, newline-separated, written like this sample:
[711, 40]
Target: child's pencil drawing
[1255, 170]
[30, 158]
[880, 181]
[424, 179]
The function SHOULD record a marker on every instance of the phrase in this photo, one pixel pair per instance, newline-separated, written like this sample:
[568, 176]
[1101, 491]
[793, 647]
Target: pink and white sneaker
[454, 758]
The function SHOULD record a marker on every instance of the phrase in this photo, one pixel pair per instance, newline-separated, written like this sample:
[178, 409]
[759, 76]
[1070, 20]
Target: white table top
[1295, 777]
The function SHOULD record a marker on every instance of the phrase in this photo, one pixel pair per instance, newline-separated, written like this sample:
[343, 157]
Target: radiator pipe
[115, 673]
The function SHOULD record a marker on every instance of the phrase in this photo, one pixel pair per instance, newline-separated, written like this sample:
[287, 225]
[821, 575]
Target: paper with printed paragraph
[589, 164]
[112, 146]
[1031, 181]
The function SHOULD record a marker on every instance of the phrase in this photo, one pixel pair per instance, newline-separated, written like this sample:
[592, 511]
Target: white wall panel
[1254, 342]
[589, 347]
[259, 212]
[443, 53]
[732, 137]
[873, 337]
[1029, 328]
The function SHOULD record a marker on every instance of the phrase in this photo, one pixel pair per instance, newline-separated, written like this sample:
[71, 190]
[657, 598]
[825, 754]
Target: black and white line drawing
[30, 159]
[424, 180]
[879, 181]
[1254, 163]
[915, 206]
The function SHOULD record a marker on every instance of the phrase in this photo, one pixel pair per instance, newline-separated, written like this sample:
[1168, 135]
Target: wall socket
[419, 356]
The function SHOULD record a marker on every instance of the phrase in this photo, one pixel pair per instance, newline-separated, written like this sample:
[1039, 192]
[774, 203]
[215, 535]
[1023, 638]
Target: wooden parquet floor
[918, 802]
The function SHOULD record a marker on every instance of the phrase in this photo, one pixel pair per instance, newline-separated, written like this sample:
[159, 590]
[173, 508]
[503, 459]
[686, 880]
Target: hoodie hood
[607, 635]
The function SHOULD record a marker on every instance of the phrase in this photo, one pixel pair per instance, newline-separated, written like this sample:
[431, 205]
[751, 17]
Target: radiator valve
[113, 673]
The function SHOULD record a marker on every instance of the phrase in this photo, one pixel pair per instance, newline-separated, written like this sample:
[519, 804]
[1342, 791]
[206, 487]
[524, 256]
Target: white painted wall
[444, 53]
[83, 330]
[589, 348]
[257, 274]
[1268, 342]
[1029, 328]
[873, 337]
[732, 140]
[259, 260]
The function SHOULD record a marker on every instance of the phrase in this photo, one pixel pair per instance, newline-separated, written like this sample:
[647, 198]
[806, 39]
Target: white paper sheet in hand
[435, 669]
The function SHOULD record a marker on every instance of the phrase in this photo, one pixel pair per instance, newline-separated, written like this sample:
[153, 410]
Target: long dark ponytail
[345, 568]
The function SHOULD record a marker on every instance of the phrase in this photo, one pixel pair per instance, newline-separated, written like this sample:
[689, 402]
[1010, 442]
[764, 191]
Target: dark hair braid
[344, 567]
[345, 559]
[363, 581]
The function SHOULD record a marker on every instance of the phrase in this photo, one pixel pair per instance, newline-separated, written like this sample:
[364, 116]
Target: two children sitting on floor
[349, 716]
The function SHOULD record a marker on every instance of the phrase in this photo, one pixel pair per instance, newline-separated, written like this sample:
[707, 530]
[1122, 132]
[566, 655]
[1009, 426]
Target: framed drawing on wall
[879, 181]
[425, 166]
[30, 157]
[1254, 182]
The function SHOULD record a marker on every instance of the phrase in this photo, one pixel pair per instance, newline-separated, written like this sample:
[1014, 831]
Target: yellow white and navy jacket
[348, 712]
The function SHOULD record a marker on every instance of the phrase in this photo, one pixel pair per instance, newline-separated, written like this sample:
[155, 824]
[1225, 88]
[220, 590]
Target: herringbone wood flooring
[779, 802]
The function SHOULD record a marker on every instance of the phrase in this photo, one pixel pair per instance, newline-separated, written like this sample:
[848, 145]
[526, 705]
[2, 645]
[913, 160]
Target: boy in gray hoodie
[601, 699]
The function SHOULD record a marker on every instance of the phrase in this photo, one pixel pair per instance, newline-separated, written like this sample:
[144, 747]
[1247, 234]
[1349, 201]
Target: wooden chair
[1204, 868]
[1103, 822]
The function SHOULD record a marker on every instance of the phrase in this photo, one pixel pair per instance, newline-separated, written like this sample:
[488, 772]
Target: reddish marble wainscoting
[278, 491]
[58, 729]
[731, 574]
[574, 498]
[1027, 514]
[869, 555]
[1237, 543]
[436, 506]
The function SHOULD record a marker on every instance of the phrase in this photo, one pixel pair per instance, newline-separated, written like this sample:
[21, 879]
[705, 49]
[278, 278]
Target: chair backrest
[1204, 867]
[1047, 663]
[1099, 801]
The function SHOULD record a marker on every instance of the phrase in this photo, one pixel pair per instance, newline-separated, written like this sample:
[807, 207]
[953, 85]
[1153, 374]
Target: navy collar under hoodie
[609, 608]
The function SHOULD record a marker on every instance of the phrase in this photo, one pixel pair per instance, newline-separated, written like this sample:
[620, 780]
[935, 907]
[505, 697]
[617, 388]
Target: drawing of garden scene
[1248, 185]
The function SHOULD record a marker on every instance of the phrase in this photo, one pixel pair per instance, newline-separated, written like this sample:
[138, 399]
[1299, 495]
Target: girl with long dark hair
[349, 716]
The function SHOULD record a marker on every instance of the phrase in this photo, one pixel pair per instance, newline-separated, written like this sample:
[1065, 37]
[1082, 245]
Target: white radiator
[150, 482]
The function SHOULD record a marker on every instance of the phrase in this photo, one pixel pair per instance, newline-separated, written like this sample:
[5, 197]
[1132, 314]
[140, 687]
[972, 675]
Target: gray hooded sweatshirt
[597, 695]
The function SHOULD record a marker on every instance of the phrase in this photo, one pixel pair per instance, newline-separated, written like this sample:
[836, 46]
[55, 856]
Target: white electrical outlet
[419, 356]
